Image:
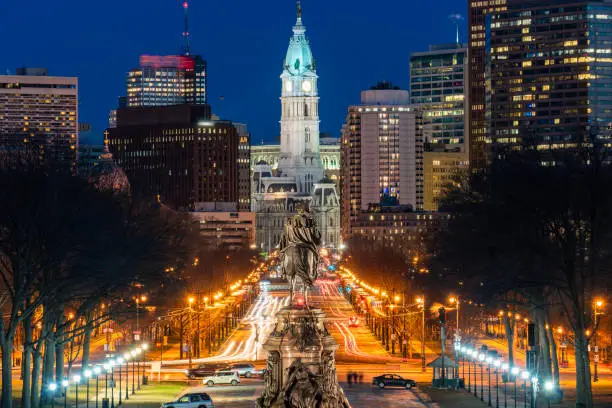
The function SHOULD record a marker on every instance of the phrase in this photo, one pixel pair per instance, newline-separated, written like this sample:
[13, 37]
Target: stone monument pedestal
[301, 371]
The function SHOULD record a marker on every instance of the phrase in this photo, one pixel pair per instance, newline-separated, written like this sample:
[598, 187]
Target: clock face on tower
[288, 86]
[307, 85]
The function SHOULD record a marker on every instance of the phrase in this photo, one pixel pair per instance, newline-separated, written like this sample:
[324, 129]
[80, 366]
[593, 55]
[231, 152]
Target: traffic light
[441, 315]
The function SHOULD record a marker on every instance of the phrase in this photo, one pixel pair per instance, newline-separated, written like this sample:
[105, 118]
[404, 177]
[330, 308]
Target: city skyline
[248, 77]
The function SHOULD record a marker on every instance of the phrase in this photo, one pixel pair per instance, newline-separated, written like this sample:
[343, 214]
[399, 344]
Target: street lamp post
[489, 379]
[65, 384]
[87, 373]
[481, 357]
[145, 347]
[469, 361]
[497, 364]
[77, 380]
[525, 376]
[112, 367]
[52, 387]
[421, 301]
[97, 371]
[505, 369]
[515, 372]
[191, 300]
[138, 351]
[598, 304]
[106, 368]
[133, 354]
[127, 357]
[120, 363]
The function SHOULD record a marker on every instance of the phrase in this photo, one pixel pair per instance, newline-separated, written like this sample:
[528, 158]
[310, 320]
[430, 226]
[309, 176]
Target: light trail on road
[244, 344]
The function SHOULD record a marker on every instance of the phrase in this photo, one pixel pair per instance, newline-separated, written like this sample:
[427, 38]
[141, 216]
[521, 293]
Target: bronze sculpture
[299, 253]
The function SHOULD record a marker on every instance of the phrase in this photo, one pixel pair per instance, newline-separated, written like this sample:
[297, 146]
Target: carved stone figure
[302, 389]
[299, 252]
[271, 381]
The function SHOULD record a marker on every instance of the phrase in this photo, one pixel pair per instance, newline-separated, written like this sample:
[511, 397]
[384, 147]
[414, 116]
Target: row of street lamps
[480, 358]
[106, 368]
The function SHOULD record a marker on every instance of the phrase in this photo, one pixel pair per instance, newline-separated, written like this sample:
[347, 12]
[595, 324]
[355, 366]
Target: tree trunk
[48, 363]
[509, 326]
[584, 393]
[553, 352]
[6, 343]
[36, 366]
[86, 342]
[59, 360]
[27, 362]
[545, 370]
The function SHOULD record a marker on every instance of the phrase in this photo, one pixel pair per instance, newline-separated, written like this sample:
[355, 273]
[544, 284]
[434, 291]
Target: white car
[222, 377]
[192, 400]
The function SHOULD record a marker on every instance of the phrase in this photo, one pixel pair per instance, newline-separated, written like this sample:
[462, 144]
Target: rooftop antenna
[186, 31]
[456, 18]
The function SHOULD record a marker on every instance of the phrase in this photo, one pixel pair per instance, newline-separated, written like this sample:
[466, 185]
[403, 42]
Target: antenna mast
[456, 18]
[186, 31]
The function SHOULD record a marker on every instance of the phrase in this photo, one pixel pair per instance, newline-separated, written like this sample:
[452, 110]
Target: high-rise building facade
[177, 154]
[438, 85]
[539, 74]
[167, 80]
[477, 118]
[40, 113]
[550, 73]
[382, 155]
[299, 179]
[244, 167]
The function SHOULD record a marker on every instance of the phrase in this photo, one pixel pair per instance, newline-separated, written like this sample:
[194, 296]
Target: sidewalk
[454, 399]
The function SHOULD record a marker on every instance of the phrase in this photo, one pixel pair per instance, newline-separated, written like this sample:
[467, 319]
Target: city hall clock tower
[299, 152]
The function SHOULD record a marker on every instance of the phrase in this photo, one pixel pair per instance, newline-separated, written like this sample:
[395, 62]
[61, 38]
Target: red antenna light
[185, 5]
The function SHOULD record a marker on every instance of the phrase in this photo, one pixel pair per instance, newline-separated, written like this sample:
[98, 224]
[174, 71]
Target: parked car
[194, 400]
[203, 370]
[393, 380]
[222, 377]
[242, 369]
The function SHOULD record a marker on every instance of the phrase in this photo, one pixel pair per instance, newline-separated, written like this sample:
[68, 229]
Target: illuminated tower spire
[299, 9]
[186, 32]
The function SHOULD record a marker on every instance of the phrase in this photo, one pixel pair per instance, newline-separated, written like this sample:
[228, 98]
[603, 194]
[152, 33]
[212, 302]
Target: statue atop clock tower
[299, 153]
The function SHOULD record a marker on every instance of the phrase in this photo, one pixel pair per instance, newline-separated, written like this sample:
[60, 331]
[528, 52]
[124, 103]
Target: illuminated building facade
[229, 230]
[551, 73]
[441, 169]
[244, 167]
[478, 107]
[438, 86]
[329, 149]
[40, 113]
[167, 80]
[382, 155]
[177, 154]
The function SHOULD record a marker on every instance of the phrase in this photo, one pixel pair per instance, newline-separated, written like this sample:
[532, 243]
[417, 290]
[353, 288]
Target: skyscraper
[382, 155]
[550, 73]
[438, 82]
[299, 179]
[177, 154]
[40, 113]
[540, 74]
[478, 129]
[244, 167]
[167, 80]
[438, 86]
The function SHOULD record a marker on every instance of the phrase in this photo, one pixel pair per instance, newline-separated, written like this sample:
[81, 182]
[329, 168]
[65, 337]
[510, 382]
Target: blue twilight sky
[356, 43]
